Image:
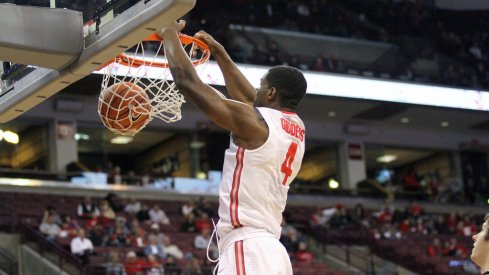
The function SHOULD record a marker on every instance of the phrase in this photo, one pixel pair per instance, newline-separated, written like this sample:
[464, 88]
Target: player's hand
[209, 40]
[176, 25]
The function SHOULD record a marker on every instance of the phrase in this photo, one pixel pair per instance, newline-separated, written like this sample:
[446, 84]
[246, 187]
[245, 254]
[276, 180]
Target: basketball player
[480, 252]
[264, 155]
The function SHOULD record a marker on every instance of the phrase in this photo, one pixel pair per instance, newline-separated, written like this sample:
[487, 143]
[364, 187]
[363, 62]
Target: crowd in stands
[130, 237]
[132, 241]
[417, 27]
[437, 236]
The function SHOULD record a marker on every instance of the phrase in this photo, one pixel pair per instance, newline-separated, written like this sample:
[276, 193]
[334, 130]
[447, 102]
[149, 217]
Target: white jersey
[254, 185]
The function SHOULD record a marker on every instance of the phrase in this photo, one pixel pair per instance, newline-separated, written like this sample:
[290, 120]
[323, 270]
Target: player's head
[284, 86]
[480, 252]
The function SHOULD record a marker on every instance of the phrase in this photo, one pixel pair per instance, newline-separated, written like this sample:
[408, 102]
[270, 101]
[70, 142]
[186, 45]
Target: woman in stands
[480, 252]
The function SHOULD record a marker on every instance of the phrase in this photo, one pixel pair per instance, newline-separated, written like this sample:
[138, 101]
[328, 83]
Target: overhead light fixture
[405, 120]
[121, 140]
[80, 136]
[331, 113]
[386, 158]
[1, 135]
[333, 184]
[445, 124]
[11, 137]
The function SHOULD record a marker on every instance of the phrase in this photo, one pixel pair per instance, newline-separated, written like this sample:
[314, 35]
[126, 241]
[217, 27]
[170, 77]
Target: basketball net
[146, 66]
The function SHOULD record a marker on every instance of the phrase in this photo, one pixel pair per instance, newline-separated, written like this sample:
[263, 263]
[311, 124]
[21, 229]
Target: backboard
[108, 28]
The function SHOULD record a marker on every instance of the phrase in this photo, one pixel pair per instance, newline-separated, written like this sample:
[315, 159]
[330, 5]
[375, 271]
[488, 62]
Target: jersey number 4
[289, 159]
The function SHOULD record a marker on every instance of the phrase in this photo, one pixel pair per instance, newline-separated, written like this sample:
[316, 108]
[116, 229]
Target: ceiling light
[445, 124]
[11, 137]
[1, 135]
[121, 140]
[333, 184]
[386, 158]
[405, 120]
[331, 113]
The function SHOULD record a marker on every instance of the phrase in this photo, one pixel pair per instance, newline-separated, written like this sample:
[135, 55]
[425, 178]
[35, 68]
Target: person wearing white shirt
[81, 246]
[133, 206]
[158, 216]
[49, 228]
[202, 240]
[171, 249]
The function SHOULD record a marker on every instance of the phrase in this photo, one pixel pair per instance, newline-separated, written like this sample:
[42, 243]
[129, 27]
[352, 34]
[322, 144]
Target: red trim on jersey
[289, 113]
[239, 256]
[233, 207]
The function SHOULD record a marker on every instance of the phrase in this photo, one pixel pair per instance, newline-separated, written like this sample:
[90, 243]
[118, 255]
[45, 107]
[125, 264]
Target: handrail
[44, 244]
[11, 262]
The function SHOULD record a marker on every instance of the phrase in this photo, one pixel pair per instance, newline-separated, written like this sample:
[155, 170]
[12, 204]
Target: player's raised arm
[239, 88]
[241, 119]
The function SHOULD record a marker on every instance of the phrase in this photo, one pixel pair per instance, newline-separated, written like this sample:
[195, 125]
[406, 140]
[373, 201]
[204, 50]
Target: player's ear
[272, 93]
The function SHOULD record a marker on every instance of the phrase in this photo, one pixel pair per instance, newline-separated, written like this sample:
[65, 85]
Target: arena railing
[8, 263]
[63, 256]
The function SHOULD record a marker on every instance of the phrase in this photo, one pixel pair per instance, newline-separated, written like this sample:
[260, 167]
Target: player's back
[253, 190]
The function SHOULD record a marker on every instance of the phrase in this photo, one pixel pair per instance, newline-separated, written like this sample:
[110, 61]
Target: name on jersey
[292, 129]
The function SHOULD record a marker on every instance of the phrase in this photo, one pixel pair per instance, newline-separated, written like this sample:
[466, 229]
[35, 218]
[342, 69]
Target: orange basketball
[124, 108]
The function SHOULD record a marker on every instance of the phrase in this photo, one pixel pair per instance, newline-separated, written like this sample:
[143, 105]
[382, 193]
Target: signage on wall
[66, 130]
[355, 151]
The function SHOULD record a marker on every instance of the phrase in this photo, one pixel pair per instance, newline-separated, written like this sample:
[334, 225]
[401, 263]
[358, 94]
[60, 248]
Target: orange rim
[133, 62]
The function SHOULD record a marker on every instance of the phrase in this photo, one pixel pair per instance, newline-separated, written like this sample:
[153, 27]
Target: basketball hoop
[145, 65]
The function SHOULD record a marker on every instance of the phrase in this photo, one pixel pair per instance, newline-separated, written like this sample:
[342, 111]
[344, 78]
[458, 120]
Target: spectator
[435, 248]
[303, 255]
[119, 238]
[106, 211]
[87, 209]
[115, 202]
[82, 247]
[97, 235]
[202, 240]
[171, 268]
[154, 248]
[291, 241]
[158, 215]
[117, 175]
[188, 208]
[114, 266]
[204, 207]
[203, 222]
[189, 224]
[51, 211]
[133, 206]
[171, 249]
[143, 215]
[193, 267]
[154, 267]
[134, 265]
[69, 227]
[49, 228]
[155, 234]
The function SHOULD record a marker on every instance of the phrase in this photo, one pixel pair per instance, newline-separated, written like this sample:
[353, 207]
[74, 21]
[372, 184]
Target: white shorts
[255, 256]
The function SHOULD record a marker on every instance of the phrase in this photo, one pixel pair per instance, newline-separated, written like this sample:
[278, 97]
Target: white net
[145, 65]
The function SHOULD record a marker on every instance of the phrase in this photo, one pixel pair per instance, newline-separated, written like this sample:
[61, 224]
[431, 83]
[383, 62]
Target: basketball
[124, 108]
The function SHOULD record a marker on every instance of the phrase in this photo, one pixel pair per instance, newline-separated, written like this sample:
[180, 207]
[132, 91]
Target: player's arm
[237, 117]
[239, 88]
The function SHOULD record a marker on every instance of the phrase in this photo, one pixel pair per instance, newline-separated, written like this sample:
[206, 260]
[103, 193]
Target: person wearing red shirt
[435, 249]
[134, 265]
[303, 255]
